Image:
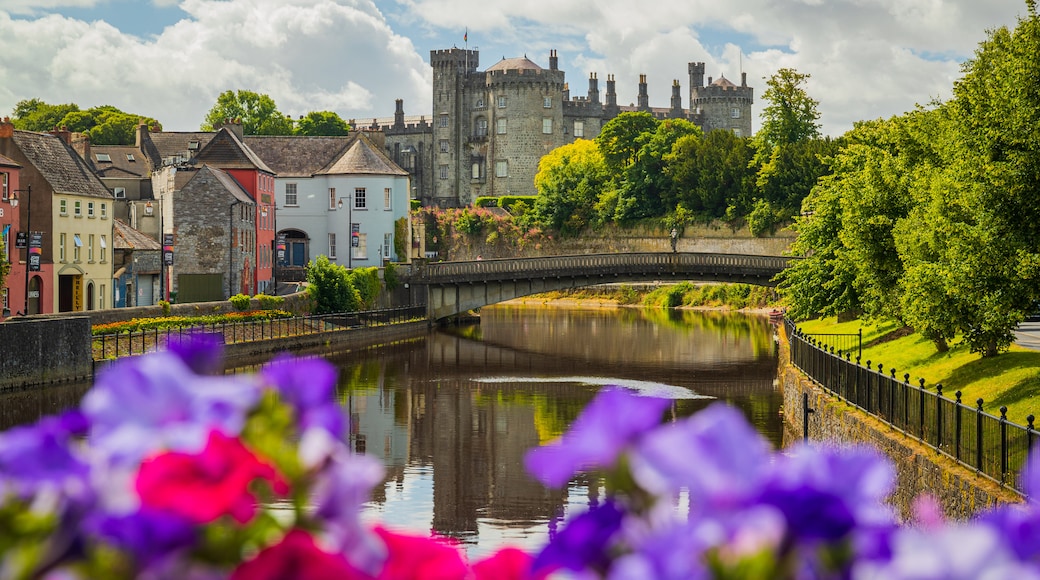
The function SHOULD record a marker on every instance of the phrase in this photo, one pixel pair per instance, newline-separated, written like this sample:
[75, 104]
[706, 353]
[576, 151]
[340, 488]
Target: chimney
[63, 133]
[593, 88]
[676, 111]
[399, 114]
[644, 98]
[554, 62]
[142, 130]
[235, 126]
[6, 128]
[81, 145]
[743, 79]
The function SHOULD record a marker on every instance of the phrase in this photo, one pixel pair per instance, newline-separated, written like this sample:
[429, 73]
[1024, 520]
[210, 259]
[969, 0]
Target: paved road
[1028, 335]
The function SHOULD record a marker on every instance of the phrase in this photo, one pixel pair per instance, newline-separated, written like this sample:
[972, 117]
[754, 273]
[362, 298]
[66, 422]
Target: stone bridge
[452, 288]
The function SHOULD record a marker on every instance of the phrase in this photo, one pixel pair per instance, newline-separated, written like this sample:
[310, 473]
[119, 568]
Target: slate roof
[226, 150]
[61, 167]
[362, 157]
[520, 63]
[127, 238]
[297, 156]
[229, 184]
[118, 164]
[8, 162]
[169, 144]
[723, 82]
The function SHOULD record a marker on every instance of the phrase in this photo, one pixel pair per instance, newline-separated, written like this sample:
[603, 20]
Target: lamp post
[28, 237]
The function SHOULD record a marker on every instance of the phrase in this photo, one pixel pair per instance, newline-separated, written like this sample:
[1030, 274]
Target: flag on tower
[465, 35]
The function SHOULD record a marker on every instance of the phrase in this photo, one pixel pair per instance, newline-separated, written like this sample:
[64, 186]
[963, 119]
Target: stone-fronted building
[489, 129]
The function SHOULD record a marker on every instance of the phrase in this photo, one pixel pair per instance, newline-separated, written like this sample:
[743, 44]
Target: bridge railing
[599, 264]
[993, 446]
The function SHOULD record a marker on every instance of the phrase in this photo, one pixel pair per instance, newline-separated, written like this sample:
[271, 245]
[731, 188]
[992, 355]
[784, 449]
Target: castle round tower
[720, 104]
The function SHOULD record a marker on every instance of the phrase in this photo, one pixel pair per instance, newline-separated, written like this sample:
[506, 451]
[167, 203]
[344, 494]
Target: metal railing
[841, 343]
[992, 446]
[122, 344]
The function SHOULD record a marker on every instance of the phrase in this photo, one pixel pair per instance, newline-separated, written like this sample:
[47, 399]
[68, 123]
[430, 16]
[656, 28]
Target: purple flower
[584, 543]
[156, 401]
[340, 489]
[41, 456]
[612, 421]
[202, 352]
[150, 536]
[1020, 529]
[714, 453]
[811, 514]
[309, 385]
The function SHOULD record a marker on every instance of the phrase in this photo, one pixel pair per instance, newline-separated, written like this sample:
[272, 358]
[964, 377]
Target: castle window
[734, 113]
[547, 125]
[480, 104]
[444, 145]
[737, 132]
[444, 172]
[500, 126]
[547, 103]
[579, 128]
[501, 169]
[443, 122]
[476, 171]
[501, 102]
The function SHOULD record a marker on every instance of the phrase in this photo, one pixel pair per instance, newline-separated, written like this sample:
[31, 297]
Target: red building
[12, 291]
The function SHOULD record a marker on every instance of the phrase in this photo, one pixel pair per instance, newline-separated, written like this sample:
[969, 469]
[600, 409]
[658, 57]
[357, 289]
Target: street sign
[167, 249]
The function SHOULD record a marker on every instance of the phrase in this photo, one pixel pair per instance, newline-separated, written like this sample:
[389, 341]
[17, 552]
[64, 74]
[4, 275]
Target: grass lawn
[1010, 379]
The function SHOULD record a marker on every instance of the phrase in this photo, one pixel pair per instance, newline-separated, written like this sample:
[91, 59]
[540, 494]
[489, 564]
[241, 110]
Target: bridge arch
[456, 287]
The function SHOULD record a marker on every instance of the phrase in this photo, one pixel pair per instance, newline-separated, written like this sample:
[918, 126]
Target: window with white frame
[443, 172]
[476, 171]
[501, 102]
[77, 243]
[388, 198]
[119, 192]
[360, 200]
[360, 251]
[500, 126]
[332, 198]
[61, 247]
[77, 208]
[579, 128]
[63, 206]
[736, 132]
[104, 210]
[104, 247]
[332, 246]
[547, 125]
[734, 113]
[547, 103]
[290, 195]
[501, 168]
[444, 145]
[4, 191]
[90, 209]
[442, 121]
[101, 297]
[90, 248]
[388, 245]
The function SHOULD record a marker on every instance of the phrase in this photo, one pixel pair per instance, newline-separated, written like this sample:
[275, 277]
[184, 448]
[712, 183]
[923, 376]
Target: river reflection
[452, 414]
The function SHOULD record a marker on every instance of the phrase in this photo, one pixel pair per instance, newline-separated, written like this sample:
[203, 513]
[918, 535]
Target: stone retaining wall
[44, 351]
[919, 469]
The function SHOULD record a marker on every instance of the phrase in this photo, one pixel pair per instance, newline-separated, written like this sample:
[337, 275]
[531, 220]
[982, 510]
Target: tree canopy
[106, 125]
[321, 123]
[257, 112]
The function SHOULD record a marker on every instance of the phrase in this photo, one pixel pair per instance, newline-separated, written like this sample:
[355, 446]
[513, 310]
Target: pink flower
[506, 564]
[421, 558]
[296, 557]
[204, 486]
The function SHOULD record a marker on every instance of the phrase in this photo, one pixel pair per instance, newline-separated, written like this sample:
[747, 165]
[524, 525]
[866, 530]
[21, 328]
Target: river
[451, 413]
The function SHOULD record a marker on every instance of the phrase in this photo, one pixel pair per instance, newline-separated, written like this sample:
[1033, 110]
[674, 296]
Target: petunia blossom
[506, 564]
[296, 557]
[585, 542]
[205, 486]
[412, 557]
[148, 535]
[41, 456]
[612, 421]
[340, 489]
[309, 385]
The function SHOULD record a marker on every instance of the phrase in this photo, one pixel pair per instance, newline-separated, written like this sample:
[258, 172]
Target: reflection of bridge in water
[740, 378]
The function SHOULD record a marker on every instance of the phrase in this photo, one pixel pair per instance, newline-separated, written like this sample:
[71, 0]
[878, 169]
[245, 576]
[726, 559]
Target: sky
[170, 59]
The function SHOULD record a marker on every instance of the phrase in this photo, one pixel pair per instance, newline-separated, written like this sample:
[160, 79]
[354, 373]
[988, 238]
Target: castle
[489, 129]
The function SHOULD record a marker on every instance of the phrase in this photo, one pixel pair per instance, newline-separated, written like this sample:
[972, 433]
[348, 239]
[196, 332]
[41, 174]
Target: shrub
[390, 277]
[366, 282]
[332, 291]
[165, 306]
[240, 302]
[268, 302]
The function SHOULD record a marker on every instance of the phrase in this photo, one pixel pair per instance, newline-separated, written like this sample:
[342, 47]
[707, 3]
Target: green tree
[620, 139]
[790, 114]
[322, 123]
[712, 172]
[569, 181]
[36, 115]
[329, 285]
[646, 189]
[106, 125]
[257, 112]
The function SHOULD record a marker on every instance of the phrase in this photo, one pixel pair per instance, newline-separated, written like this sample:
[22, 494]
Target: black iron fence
[991, 445]
[123, 344]
[843, 344]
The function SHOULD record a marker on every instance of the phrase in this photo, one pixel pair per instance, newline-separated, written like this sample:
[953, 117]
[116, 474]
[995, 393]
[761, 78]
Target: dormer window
[130, 157]
[103, 157]
[193, 145]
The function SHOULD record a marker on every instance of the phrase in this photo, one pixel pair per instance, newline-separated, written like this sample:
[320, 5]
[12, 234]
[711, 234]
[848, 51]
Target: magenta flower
[614, 420]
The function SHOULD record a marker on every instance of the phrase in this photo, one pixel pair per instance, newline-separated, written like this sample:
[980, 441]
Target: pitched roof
[520, 63]
[362, 157]
[723, 82]
[186, 144]
[8, 162]
[229, 183]
[226, 150]
[63, 169]
[297, 156]
[113, 160]
[125, 237]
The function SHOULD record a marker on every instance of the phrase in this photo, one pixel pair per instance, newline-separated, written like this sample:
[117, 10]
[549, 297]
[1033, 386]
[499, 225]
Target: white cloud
[306, 54]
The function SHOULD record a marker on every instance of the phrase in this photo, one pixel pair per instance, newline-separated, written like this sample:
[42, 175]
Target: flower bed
[171, 471]
[164, 322]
